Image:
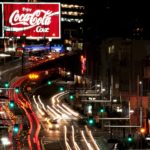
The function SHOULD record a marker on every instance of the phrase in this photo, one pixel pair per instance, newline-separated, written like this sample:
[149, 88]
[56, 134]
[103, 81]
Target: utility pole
[23, 52]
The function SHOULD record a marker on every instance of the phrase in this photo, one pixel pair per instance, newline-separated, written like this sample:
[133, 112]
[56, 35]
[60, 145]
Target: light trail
[51, 114]
[73, 139]
[70, 110]
[89, 133]
[62, 109]
[64, 116]
[85, 140]
[30, 115]
[65, 138]
[43, 106]
[37, 105]
[52, 110]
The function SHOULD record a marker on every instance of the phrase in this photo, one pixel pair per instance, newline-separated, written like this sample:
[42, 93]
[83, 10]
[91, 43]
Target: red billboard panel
[31, 19]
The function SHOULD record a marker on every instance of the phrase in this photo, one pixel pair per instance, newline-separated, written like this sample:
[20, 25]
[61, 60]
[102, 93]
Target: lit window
[71, 20]
[72, 6]
[111, 49]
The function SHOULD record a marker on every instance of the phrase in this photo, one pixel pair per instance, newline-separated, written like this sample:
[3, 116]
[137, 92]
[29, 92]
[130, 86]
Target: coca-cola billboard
[31, 19]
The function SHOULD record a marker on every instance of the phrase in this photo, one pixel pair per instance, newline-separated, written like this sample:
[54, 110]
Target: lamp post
[141, 97]
[22, 61]
[23, 38]
[141, 92]
[141, 112]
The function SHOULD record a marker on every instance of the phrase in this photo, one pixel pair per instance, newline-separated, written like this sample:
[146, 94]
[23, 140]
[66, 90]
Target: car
[53, 124]
[33, 58]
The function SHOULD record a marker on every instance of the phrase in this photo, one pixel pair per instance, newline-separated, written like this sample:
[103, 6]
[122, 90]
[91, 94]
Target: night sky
[108, 18]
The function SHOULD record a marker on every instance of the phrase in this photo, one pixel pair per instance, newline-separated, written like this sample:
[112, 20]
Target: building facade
[122, 64]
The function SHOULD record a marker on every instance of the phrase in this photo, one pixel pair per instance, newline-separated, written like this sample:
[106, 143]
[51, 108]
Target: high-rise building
[72, 16]
[123, 63]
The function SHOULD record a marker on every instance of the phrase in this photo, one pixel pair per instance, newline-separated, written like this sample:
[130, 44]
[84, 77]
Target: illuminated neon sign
[36, 48]
[31, 19]
[83, 64]
[57, 48]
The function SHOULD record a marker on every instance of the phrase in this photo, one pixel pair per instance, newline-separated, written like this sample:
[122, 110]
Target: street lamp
[68, 73]
[5, 141]
[23, 37]
[142, 130]
[141, 97]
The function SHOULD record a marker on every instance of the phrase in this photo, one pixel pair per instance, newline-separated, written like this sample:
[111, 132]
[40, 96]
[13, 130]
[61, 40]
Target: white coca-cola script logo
[29, 20]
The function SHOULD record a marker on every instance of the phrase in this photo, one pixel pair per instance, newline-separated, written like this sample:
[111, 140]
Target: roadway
[32, 141]
[73, 123]
[51, 137]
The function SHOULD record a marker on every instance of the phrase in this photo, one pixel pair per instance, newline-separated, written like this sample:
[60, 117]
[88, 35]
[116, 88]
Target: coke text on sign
[32, 19]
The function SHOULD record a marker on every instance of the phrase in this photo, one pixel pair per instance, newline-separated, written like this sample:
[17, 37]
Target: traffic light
[130, 138]
[71, 96]
[61, 89]
[6, 85]
[91, 121]
[11, 104]
[49, 82]
[16, 128]
[102, 110]
[17, 90]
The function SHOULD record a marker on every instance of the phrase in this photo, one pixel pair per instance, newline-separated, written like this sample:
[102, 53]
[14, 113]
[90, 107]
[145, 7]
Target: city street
[74, 75]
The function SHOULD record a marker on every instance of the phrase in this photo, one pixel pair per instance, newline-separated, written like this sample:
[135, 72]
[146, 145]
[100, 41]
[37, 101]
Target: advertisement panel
[32, 20]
